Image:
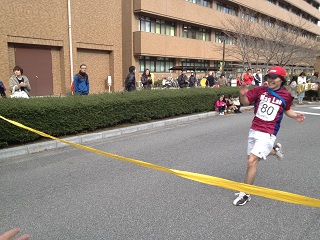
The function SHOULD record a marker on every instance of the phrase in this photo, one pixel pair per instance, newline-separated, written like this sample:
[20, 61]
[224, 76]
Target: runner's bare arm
[243, 98]
[299, 117]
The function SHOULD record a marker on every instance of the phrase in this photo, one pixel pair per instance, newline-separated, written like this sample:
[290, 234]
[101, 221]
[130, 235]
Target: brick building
[50, 39]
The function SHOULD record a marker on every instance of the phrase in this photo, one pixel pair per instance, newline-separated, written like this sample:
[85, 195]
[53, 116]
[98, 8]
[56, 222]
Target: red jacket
[248, 79]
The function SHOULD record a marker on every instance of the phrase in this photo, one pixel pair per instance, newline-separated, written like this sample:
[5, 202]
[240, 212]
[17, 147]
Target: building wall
[106, 36]
[96, 39]
[183, 12]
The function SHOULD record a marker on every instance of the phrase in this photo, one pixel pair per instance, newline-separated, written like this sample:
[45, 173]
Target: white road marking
[308, 113]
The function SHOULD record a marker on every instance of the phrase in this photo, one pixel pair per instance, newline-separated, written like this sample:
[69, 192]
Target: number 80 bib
[267, 111]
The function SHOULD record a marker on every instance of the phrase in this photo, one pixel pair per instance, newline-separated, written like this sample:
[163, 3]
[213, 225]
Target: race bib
[267, 111]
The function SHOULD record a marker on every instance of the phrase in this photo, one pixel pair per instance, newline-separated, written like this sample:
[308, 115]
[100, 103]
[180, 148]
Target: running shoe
[278, 149]
[242, 199]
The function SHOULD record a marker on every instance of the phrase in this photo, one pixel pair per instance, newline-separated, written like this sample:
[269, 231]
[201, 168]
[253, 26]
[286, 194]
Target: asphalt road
[68, 193]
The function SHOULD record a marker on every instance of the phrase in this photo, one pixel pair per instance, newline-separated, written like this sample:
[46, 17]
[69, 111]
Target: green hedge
[62, 116]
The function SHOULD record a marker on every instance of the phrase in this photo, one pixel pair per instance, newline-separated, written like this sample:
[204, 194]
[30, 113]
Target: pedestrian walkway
[52, 144]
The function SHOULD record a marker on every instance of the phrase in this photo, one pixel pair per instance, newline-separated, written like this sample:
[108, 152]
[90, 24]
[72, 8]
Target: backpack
[180, 79]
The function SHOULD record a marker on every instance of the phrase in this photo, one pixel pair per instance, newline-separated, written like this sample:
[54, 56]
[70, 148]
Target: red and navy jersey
[268, 109]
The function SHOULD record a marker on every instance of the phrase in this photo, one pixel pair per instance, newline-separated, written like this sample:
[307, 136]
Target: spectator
[314, 94]
[203, 81]
[2, 90]
[183, 79]
[236, 102]
[302, 79]
[146, 79]
[220, 106]
[257, 78]
[81, 81]
[210, 79]
[248, 77]
[239, 81]
[130, 82]
[230, 104]
[19, 81]
[192, 80]
[222, 81]
[293, 87]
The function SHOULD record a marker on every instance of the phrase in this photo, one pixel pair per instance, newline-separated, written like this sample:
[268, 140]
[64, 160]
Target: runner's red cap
[280, 71]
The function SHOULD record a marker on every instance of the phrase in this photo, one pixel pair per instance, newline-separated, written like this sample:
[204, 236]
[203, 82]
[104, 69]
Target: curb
[53, 144]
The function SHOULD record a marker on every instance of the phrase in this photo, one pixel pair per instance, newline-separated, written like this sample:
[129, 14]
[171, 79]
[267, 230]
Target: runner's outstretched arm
[299, 117]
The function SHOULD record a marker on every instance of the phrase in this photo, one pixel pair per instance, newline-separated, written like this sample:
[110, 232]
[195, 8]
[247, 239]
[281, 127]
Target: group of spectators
[302, 79]
[227, 104]
[20, 82]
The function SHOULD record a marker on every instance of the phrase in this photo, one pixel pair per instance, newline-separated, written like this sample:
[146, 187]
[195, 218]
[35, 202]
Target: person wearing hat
[270, 102]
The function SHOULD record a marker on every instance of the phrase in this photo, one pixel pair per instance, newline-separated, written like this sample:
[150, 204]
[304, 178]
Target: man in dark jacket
[210, 80]
[130, 82]
[192, 80]
[183, 79]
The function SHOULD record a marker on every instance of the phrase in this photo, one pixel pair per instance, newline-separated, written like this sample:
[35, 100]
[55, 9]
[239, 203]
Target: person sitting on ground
[236, 102]
[230, 104]
[220, 105]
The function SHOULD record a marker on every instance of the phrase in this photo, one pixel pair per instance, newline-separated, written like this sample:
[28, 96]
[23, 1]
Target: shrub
[61, 116]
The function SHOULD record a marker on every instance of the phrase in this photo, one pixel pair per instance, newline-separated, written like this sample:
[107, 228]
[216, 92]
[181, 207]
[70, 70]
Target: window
[195, 33]
[226, 8]
[296, 11]
[155, 64]
[229, 40]
[284, 6]
[195, 62]
[153, 25]
[205, 3]
[249, 17]
[267, 22]
[272, 1]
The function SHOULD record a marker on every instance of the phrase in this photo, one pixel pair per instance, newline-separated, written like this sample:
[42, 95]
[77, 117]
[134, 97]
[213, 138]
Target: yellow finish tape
[206, 179]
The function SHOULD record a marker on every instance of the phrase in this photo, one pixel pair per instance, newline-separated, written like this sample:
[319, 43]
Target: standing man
[183, 79]
[210, 79]
[192, 80]
[130, 81]
[248, 77]
[257, 78]
[81, 81]
[270, 103]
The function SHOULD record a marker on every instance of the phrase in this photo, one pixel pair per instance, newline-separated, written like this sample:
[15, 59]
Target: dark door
[37, 66]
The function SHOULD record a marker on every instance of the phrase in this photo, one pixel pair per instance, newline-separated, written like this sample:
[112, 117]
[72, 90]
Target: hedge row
[62, 116]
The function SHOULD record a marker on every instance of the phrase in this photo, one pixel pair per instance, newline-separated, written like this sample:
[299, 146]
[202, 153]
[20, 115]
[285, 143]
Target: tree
[264, 41]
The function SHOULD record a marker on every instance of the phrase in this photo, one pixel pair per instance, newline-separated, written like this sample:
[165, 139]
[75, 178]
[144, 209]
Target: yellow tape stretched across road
[211, 180]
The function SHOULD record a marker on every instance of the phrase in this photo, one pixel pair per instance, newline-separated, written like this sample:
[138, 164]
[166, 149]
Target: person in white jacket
[19, 81]
[302, 79]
